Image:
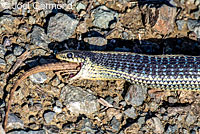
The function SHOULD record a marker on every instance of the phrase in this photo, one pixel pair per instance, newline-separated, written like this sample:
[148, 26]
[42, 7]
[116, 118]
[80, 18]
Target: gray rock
[180, 24]
[61, 26]
[52, 129]
[136, 95]
[48, 116]
[6, 20]
[14, 122]
[10, 59]
[87, 127]
[2, 51]
[171, 129]
[58, 103]
[190, 119]
[27, 132]
[103, 17]
[159, 129]
[80, 6]
[57, 109]
[141, 121]
[131, 113]
[98, 41]
[1, 129]
[172, 99]
[18, 50]
[115, 124]
[38, 37]
[192, 24]
[78, 101]
[38, 77]
[2, 63]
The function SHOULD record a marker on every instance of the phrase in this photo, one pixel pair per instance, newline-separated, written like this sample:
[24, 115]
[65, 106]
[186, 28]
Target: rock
[38, 37]
[190, 119]
[115, 124]
[61, 26]
[136, 95]
[2, 63]
[10, 59]
[96, 41]
[88, 127]
[38, 77]
[27, 132]
[192, 24]
[57, 109]
[131, 113]
[48, 116]
[158, 125]
[18, 50]
[8, 24]
[80, 6]
[103, 17]
[172, 99]
[2, 51]
[78, 101]
[51, 129]
[1, 129]
[14, 122]
[165, 19]
[181, 24]
[171, 129]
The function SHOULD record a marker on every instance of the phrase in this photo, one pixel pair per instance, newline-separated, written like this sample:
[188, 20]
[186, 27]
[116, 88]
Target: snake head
[71, 56]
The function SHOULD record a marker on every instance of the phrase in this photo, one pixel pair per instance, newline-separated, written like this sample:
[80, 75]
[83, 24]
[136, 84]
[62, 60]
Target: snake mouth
[78, 69]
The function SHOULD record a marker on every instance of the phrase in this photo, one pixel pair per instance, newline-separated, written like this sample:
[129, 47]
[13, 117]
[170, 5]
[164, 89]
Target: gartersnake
[174, 72]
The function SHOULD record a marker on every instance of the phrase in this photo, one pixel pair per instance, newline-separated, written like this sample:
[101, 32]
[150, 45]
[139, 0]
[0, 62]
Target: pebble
[181, 24]
[80, 6]
[18, 50]
[115, 124]
[158, 125]
[78, 101]
[48, 116]
[96, 43]
[131, 112]
[38, 78]
[1, 129]
[27, 132]
[51, 129]
[10, 59]
[141, 121]
[190, 119]
[87, 127]
[61, 26]
[38, 37]
[2, 51]
[136, 95]
[165, 19]
[2, 63]
[172, 99]
[57, 109]
[103, 17]
[14, 122]
[171, 129]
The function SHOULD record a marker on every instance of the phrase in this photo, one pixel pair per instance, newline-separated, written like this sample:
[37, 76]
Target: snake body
[173, 72]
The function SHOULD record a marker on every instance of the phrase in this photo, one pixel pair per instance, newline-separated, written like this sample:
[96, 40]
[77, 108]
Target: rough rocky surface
[44, 103]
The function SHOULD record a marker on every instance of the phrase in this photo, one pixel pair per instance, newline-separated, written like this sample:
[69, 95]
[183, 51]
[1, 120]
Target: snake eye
[69, 55]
